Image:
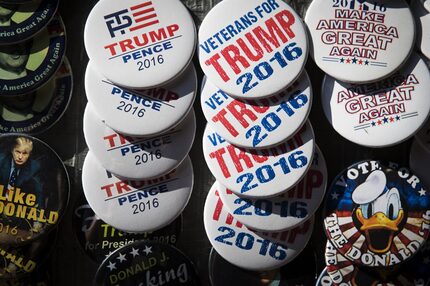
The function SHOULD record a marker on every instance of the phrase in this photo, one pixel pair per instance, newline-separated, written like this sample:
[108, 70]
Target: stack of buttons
[35, 78]
[139, 123]
[34, 191]
[258, 144]
[35, 91]
[377, 221]
[375, 91]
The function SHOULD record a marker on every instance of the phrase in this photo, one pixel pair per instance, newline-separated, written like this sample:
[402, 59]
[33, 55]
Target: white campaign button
[383, 113]
[419, 162]
[259, 173]
[254, 48]
[246, 248]
[286, 211]
[139, 43]
[360, 41]
[257, 123]
[138, 157]
[422, 20]
[134, 112]
[136, 206]
[426, 4]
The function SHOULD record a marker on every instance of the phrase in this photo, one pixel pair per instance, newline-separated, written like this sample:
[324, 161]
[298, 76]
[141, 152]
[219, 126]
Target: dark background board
[69, 265]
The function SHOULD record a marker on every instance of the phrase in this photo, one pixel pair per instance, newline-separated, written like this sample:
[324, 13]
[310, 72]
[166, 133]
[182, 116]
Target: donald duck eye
[367, 210]
[393, 206]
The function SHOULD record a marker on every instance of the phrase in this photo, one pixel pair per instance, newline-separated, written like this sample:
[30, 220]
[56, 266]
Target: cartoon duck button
[379, 211]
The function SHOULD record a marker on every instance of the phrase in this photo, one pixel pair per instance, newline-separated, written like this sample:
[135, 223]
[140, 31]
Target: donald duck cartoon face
[379, 211]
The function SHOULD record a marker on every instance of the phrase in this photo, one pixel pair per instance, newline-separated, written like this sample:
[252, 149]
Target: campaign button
[377, 214]
[286, 211]
[252, 50]
[37, 111]
[134, 112]
[17, 263]
[138, 157]
[138, 43]
[28, 65]
[324, 279]
[418, 161]
[34, 189]
[422, 21]
[360, 41]
[259, 173]
[38, 278]
[257, 123]
[247, 248]
[136, 206]
[99, 239]
[19, 22]
[291, 274]
[426, 4]
[147, 263]
[344, 272]
[383, 113]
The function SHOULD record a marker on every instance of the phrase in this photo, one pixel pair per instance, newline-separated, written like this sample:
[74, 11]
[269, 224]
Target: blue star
[397, 118]
[366, 62]
[354, 60]
[373, 123]
[385, 120]
[342, 60]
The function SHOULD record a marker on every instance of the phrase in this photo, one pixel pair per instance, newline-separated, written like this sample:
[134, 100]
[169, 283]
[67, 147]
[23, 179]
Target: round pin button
[252, 50]
[377, 214]
[344, 272]
[137, 206]
[360, 41]
[147, 263]
[28, 65]
[136, 44]
[286, 211]
[275, 119]
[138, 157]
[34, 189]
[291, 274]
[324, 279]
[19, 262]
[39, 278]
[134, 112]
[98, 239]
[259, 173]
[37, 111]
[382, 113]
[20, 22]
[418, 161]
[426, 4]
[246, 248]
[422, 20]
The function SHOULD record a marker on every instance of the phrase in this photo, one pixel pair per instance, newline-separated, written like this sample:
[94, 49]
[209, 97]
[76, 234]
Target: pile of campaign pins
[35, 91]
[139, 125]
[375, 94]
[258, 144]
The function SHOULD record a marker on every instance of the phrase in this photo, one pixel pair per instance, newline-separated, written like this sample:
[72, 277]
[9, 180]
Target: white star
[121, 258]
[110, 252]
[335, 196]
[111, 266]
[148, 250]
[134, 252]
[422, 192]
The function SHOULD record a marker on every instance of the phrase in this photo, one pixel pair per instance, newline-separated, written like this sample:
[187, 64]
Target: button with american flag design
[140, 43]
[377, 214]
